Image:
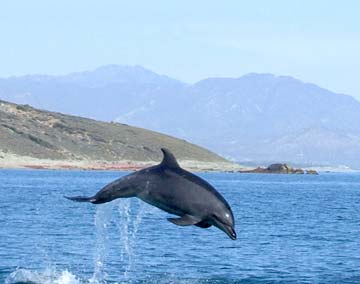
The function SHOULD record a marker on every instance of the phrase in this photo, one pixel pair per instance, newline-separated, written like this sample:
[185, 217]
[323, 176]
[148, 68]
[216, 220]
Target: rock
[312, 172]
[279, 168]
[299, 171]
[276, 168]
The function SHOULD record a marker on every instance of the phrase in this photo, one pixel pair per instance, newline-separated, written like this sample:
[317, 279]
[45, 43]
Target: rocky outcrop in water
[312, 172]
[279, 168]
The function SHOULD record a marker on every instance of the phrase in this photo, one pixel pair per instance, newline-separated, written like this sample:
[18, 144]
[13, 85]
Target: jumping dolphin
[174, 190]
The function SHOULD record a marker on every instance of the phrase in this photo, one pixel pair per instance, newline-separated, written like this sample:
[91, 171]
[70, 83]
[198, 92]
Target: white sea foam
[48, 276]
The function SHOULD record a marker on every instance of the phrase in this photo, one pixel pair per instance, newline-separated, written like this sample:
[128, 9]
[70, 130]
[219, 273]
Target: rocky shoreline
[12, 161]
[24, 162]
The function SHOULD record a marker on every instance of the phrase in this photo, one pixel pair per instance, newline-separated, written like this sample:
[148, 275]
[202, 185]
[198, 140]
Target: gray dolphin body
[174, 190]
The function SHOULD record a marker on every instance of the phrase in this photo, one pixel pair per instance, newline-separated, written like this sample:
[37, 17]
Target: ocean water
[291, 229]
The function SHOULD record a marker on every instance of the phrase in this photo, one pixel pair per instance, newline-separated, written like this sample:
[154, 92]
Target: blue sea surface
[291, 229]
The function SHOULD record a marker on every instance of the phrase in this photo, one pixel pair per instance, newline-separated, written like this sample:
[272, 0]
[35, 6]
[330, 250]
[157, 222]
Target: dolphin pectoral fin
[203, 224]
[185, 220]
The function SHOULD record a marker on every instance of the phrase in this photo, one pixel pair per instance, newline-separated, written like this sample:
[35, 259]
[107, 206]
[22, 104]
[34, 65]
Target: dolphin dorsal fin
[169, 159]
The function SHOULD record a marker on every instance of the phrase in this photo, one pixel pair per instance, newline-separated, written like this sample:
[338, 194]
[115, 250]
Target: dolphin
[169, 187]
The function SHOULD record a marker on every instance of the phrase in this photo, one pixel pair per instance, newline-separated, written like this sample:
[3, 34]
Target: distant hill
[257, 118]
[102, 94]
[34, 138]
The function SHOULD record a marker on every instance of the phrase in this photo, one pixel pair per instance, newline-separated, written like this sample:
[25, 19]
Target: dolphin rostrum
[174, 190]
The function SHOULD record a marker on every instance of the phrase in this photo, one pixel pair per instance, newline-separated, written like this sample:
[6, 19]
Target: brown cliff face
[29, 132]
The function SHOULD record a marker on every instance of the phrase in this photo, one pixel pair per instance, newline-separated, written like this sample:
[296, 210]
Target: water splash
[127, 221]
[128, 225]
[48, 276]
[124, 210]
[102, 222]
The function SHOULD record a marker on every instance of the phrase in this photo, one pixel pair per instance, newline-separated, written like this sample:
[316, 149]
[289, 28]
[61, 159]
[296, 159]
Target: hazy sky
[315, 41]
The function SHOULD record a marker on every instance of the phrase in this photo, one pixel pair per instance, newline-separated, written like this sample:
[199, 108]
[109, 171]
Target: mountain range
[256, 118]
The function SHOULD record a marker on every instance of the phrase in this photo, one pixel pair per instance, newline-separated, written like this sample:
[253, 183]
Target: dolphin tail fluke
[80, 198]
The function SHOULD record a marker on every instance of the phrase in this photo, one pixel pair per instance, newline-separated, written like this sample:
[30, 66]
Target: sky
[314, 41]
